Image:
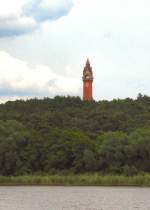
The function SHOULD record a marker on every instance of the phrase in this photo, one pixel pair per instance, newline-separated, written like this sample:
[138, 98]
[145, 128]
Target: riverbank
[77, 180]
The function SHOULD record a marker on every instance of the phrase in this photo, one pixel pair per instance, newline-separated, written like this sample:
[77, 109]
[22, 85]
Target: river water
[74, 198]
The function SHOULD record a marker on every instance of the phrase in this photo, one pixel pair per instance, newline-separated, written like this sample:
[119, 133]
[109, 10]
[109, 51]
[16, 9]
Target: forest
[67, 135]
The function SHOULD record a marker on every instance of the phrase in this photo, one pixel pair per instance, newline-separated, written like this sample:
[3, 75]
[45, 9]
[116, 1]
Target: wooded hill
[67, 135]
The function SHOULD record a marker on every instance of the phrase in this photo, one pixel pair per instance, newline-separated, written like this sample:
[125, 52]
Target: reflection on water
[74, 198]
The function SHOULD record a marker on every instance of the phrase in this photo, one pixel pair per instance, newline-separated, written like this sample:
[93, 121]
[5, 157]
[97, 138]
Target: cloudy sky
[44, 45]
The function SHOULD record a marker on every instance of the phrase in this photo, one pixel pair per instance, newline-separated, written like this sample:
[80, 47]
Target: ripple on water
[74, 198]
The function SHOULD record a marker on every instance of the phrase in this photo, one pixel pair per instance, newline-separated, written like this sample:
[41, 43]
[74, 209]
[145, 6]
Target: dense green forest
[68, 135]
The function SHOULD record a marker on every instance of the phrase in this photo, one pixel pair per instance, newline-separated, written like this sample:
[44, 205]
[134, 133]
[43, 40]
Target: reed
[78, 180]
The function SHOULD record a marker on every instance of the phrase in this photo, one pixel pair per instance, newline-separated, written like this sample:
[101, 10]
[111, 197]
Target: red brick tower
[87, 82]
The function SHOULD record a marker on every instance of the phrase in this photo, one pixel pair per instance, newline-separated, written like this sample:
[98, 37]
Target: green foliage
[94, 179]
[67, 135]
[130, 170]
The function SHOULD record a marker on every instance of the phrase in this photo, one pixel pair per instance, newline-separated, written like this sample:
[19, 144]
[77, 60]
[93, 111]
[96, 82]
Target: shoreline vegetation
[77, 180]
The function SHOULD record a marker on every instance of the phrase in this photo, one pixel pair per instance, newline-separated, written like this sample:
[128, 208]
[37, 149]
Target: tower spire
[87, 62]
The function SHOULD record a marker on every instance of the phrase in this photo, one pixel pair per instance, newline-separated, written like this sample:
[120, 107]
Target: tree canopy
[66, 134]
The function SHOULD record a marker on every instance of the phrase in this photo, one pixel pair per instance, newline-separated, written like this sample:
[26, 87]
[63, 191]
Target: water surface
[74, 198]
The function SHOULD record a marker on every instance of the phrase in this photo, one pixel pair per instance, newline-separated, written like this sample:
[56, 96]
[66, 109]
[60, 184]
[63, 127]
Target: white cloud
[13, 7]
[18, 79]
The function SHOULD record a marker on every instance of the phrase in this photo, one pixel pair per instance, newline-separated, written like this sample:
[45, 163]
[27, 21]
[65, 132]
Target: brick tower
[87, 82]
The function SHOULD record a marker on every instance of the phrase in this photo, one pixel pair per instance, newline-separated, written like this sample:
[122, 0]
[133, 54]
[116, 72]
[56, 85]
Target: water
[74, 198]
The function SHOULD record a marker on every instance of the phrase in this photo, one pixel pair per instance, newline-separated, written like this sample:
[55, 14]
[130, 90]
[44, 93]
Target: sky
[44, 45]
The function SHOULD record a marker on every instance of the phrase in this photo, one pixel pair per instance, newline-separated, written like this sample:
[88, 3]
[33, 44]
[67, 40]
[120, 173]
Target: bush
[130, 170]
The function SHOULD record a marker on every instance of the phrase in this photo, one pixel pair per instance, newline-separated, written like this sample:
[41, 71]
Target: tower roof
[88, 66]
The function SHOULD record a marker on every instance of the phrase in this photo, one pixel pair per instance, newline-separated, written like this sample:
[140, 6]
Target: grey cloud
[51, 83]
[40, 14]
[33, 14]
[14, 26]
[7, 91]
